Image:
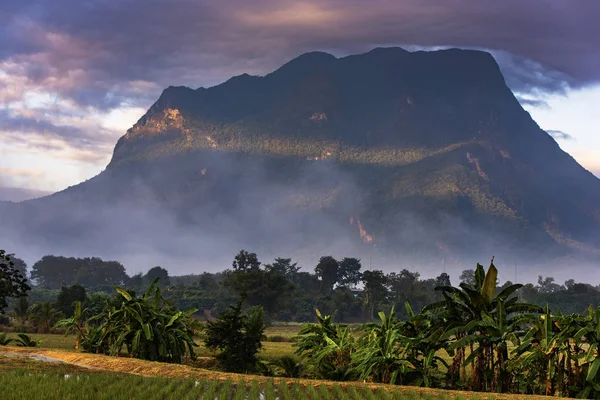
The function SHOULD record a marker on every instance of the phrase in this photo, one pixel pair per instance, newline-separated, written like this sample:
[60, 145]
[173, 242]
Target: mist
[193, 213]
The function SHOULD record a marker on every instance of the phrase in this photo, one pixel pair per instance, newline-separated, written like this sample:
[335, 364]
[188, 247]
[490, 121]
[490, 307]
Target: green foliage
[68, 296]
[375, 290]
[381, 355]
[44, 316]
[23, 340]
[12, 283]
[157, 273]
[288, 366]
[5, 340]
[21, 310]
[237, 336]
[327, 270]
[147, 328]
[53, 272]
[76, 322]
[266, 287]
[245, 261]
[328, 349]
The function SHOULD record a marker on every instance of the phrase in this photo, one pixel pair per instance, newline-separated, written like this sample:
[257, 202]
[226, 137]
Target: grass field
[24, 378]
[271, 350]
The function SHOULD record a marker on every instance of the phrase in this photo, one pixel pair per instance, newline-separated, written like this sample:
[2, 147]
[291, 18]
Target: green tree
[349, 272]
[19, 265]
[327, 271]
[259, 287]
[375, 290]
[159, 273]
[284, 267]
[237, 336]
[443, 280]
[68, 296]
[53, 272]
[12, 283]
[467, 276]
[245, 261]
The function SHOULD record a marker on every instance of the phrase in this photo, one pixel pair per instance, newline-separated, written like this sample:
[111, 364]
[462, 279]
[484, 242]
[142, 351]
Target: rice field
[89, 376]
[24, 384]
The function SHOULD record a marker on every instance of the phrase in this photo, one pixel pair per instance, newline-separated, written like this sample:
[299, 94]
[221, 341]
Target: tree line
[286, 292]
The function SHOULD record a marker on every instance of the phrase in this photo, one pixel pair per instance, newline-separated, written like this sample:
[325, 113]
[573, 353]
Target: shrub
[237, 336]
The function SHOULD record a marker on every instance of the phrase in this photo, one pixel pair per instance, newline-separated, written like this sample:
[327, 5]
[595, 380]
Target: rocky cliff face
[422, 155]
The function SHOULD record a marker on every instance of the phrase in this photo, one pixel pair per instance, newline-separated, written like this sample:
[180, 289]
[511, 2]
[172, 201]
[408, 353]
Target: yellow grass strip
[157, 369]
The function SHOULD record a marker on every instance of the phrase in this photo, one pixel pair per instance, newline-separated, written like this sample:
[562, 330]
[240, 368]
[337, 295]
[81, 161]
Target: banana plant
[589, 334]
[327, 349]
[539, 353]
[492, 335]
[5, 340]
[424, 339]
[24, 340]
[146, 327]
[77, 322]
[382, 351]
[469, 311]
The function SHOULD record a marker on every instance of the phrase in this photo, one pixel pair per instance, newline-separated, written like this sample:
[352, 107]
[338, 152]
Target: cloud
[560, 135]
[66, 65]
[92, 50]
[533, 102]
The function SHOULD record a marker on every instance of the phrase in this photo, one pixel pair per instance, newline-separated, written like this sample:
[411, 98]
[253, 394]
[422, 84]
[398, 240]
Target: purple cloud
[204, 42]
[105, 54]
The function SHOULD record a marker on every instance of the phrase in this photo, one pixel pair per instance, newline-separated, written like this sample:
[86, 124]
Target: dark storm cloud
[546, 45]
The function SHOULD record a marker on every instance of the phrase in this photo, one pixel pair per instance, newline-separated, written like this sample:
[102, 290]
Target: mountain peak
[306, 62]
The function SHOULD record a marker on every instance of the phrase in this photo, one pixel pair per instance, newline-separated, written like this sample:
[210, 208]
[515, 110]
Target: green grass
[270, 352]
[56, 384]
[24, 378]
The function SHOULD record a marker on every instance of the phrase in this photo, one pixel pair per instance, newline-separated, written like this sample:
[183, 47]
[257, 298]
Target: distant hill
[417, 156]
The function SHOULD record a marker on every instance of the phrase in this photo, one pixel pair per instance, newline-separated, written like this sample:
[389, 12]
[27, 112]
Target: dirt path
[157, 369]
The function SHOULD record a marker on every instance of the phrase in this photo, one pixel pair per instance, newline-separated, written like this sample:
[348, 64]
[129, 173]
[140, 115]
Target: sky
[76, 74]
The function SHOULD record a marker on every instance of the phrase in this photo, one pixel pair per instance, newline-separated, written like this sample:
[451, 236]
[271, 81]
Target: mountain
[404, 156]
[20, 194]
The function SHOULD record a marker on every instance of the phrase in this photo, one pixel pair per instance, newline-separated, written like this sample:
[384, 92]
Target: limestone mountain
[416, 155]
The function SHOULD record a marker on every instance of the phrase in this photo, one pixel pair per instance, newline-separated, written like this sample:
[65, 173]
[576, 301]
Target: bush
[237, 336]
